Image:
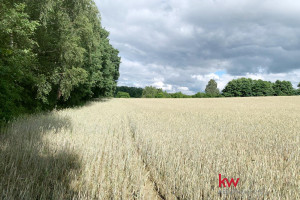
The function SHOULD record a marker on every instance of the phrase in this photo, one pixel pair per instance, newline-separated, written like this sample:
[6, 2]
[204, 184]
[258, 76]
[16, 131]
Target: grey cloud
[202, 36]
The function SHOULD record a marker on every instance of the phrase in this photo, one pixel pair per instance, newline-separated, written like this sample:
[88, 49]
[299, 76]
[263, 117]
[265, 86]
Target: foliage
[212, 88]
[167, 95]
[53, 53]
[283, 88]
[150, 92]
[262, 88]
[134, 92]
[179, 95]
[122, 95]
[205, 95]
[200, 95]
[17, 61]
[242, 87]
[238, 88]
[159, 95]
[247, 87]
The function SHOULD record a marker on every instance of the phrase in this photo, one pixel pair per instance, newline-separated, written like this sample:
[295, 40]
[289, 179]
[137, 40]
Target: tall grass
[155, 149]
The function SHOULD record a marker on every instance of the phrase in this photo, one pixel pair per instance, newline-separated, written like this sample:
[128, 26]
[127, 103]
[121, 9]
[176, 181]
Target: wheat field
[155, 149]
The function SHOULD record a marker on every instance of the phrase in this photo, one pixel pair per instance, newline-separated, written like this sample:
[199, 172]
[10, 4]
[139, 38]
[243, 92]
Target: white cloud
[183, 88]
[165, 87]
[206, 77]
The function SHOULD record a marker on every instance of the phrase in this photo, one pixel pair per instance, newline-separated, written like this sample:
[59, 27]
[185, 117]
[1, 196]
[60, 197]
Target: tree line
[53, 53]
[242, 87]
[127, 92]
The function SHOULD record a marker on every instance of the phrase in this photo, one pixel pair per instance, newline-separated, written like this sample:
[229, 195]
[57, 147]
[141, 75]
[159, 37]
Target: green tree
[199, 95]
[262, 88]
[75, 48]
[166, 94]
[283, 88]
[17, 61]
[241, 87]
[133, 91]
[122, 95]
[150, 92]
[180, 95]
[212, 88]
[160, 95]
[53, 53]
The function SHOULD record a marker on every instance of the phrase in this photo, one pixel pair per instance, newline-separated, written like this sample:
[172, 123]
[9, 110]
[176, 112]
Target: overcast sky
[179, 45]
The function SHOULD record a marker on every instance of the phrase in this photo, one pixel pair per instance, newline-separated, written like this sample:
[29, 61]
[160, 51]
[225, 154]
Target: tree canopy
[238, 88]
[53, 53]
[151, 92]
[122, 95]
[283, 88]
[242, 87]
[132, 91]
[212, 88]
[247, 87]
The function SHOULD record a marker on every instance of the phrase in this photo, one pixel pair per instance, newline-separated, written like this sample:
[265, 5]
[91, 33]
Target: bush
[122, 95]
[179, 95]
[150, 92]
[134, 92]
[160, 95]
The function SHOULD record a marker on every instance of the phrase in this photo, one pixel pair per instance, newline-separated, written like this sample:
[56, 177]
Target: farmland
[155, 149]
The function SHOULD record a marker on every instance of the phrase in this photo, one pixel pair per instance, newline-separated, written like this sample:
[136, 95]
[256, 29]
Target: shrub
[122, 95]
[159, 95]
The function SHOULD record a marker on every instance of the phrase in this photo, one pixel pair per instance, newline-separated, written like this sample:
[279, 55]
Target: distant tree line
[53, 54]
[246, 87]
[242, 87]
[133, 92]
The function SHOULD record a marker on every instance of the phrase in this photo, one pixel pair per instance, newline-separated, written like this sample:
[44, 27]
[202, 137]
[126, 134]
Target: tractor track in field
[153, 191]
[151, 188]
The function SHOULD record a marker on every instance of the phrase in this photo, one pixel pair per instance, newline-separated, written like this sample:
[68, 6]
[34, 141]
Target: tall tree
[262, 88]
[212, 88]
[132, 91]
[53, 52]
[17, 60]
[241, 87]
[151, 92]
[77, 61]
[283, 88]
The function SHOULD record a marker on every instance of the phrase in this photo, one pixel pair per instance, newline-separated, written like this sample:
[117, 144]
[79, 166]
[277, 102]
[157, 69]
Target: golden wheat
[155, 149]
